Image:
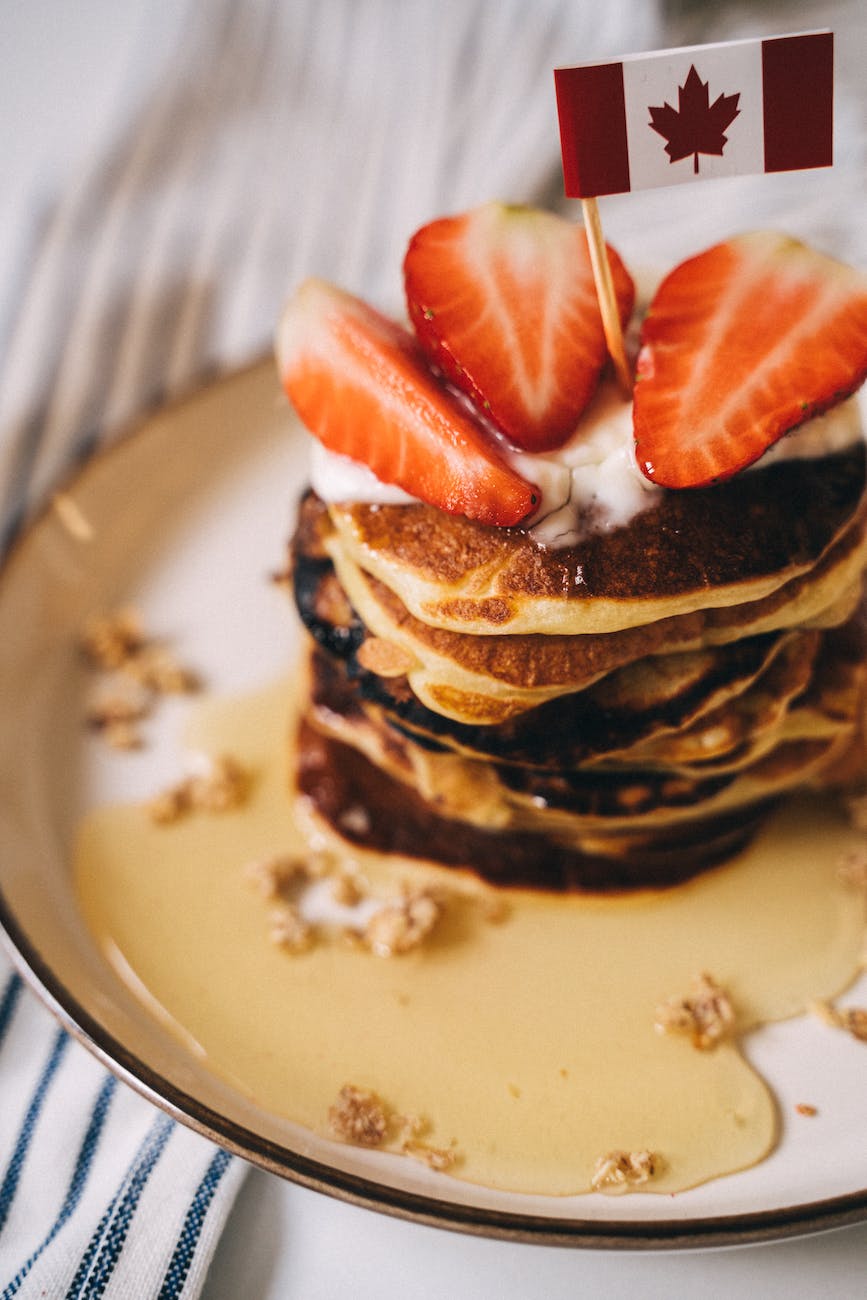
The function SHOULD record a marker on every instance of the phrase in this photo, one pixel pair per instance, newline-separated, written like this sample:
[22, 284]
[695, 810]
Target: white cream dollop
[593, 482]
[338, 478]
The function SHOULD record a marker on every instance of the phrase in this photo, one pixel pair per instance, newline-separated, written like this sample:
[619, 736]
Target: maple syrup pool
[529, 1044]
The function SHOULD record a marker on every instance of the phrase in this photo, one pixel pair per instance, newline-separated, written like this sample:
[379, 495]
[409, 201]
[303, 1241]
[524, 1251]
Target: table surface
[283, 1240]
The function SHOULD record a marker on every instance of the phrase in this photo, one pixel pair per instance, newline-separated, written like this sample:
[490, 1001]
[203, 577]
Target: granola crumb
[274, 877]
[403, 925]
[851, 1019]
[362, 1118]
[346, 889]
[410, 1127]
[157, 669]
[224, 788]
[116, 718]
[384, 658]
[359, 1117]
[706, 1015]
[290, 930]
[621, 1170]
[109, 640]
[854, 1021]
[805, 1108]
[170, 805]
[72, 517]
[116, 643]
[440, 1159]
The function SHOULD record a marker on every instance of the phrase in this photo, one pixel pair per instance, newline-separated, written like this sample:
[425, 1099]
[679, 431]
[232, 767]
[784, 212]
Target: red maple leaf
[695, 126]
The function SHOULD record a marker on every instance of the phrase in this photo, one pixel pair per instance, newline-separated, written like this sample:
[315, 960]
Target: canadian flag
[697, 112]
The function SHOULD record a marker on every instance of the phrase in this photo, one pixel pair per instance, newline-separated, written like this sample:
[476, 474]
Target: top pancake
[713, 547]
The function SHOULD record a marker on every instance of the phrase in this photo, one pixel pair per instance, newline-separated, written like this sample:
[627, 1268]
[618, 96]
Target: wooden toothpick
[605, 294]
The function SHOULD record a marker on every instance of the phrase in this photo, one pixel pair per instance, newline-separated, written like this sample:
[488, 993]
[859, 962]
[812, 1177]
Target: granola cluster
[395, 926]
[851, 1019]
[116, 717]
[400, 926]
[705, 1015]
[222, 788]
[360, 1117]
[620, 1171]
[142, 670]
[290, 930]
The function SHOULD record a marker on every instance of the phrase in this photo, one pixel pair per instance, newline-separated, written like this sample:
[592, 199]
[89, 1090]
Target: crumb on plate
[851, 1019]
[706, 1014]
[619, 1171]
[359, 1117]
[116, 717]
[290, 930]
[279, 875]
[108, 641]
[403, 925]
[223, 788]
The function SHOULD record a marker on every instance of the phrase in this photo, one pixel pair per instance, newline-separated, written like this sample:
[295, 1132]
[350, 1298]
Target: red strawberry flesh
[741, 344]
[503, 301]
[360, 384]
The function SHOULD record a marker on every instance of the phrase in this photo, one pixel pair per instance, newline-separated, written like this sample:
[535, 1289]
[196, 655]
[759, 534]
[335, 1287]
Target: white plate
[189, 516]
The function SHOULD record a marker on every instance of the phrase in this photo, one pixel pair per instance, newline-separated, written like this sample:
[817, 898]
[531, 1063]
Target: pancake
[733, 544]
[671, 698]
[631, 707]
[792, 747]
[485, 680]
[346, 800]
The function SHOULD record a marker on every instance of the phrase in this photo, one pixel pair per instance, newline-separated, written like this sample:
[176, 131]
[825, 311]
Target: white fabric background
[169, 169]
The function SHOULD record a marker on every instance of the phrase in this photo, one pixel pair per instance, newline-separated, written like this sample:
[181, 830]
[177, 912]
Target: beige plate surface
[189, 516]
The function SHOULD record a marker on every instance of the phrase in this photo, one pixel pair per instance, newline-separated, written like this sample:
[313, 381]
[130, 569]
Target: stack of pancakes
[622, 712]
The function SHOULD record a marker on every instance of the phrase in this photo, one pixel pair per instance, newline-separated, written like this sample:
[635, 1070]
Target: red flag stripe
[797, 95]
[592, 113]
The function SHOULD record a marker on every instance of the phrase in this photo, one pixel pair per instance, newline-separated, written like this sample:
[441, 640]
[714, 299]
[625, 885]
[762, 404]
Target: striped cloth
[171, 169]
[87, 1163]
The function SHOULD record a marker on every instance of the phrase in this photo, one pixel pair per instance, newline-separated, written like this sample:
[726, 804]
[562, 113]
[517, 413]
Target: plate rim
[674, 1234]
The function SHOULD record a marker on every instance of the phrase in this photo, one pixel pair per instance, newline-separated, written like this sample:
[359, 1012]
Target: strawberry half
[360, 384]
[741, 344]
[503, 301]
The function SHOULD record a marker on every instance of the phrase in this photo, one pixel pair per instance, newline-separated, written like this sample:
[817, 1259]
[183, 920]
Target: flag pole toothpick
[605, 294]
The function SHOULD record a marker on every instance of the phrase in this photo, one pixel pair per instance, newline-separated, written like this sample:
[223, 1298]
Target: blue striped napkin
[90, 1171]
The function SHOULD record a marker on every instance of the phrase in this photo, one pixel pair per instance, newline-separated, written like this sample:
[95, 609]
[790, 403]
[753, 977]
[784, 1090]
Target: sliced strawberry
[360, 384]
[741, 344]
[503, 301]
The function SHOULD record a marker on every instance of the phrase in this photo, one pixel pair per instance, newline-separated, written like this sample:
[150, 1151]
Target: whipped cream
[338, 478]
[592, 483]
